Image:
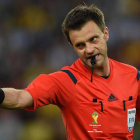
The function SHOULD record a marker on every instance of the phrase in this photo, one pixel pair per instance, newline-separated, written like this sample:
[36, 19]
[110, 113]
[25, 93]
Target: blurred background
[31, 43]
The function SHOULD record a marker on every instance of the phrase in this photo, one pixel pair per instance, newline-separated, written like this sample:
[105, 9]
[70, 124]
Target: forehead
[89, 30]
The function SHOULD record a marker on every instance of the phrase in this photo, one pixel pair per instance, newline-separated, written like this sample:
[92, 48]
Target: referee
[99, 98]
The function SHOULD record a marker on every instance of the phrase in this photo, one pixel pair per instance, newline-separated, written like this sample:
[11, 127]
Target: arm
[16, 99]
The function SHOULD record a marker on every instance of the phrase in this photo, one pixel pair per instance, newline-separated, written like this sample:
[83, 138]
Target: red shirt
[103, 109]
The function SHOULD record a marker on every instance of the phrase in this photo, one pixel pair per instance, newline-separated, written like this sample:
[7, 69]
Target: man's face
[90, 41]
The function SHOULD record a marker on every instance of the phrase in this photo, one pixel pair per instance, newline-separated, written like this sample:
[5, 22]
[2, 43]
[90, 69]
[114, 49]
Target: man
[98, 97]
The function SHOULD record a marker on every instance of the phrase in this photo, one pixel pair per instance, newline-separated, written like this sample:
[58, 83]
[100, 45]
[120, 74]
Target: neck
[103, 70]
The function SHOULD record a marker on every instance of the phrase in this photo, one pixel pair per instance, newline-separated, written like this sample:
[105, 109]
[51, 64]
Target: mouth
[96, 56]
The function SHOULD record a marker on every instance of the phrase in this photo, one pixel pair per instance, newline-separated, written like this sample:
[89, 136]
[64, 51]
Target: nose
[89, 48]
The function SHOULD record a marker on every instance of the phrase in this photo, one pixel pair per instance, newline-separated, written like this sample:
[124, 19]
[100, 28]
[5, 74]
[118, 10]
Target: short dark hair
[79, 16]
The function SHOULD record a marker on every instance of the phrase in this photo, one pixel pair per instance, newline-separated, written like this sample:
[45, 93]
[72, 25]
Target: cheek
[103, 47]
[80, 53]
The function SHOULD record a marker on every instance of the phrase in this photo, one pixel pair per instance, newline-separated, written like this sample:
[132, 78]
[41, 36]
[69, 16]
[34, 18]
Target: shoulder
[69, 74]
[65, 75]
[122, 67]
[123, 70]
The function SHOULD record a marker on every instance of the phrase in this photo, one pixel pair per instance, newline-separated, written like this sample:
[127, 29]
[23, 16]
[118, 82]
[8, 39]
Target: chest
[106, 108]
[115, 90]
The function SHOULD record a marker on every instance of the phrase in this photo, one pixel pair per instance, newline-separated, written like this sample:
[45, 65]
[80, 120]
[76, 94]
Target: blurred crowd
[31, 43]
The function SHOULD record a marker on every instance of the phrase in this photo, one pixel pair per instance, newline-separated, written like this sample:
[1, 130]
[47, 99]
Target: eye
[93, 39]
[80, 45]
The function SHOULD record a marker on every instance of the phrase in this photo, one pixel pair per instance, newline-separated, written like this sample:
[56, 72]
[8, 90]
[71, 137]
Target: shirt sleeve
[44, 91]
[138, 99]
[56, 88]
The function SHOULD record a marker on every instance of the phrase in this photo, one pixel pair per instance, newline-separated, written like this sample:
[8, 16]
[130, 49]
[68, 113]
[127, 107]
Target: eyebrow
[95, 36]
[80, 42]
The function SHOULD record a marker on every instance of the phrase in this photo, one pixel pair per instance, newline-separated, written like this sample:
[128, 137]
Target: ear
[106, 33]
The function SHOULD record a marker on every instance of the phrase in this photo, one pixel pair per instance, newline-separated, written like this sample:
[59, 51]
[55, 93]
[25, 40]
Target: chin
[99, 64]
[89, 66]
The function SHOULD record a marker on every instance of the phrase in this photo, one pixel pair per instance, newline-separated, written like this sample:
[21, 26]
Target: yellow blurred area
[36, 130]
[133, 7]
[50, 111]
[131, 53]
[34, 71]
[34, 17]
[40, 127]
